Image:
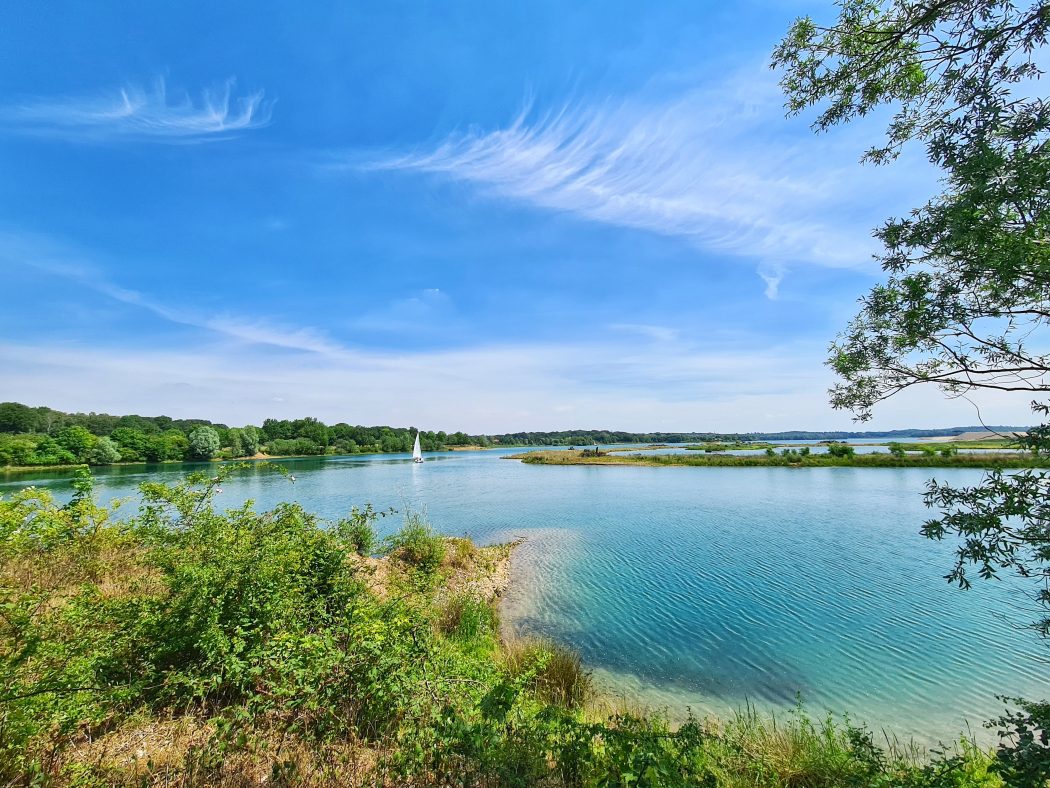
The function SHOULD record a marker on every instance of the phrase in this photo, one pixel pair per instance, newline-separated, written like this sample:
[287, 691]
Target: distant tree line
[42, 436]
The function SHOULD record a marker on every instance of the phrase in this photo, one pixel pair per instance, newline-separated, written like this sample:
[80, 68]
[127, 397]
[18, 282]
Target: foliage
[1004, 525]
[933, 459]
[467, 617]
[77, 441]
[104, 452]
[293, 447]
[968, 270]
[416, 544]
[359, 529]
[42, 436]
[1024, 755]
[204, 443]
[554, 672]
[841, 450]
[250, 440]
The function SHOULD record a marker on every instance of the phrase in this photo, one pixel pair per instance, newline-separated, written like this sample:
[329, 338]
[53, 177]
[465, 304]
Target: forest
[42, 436]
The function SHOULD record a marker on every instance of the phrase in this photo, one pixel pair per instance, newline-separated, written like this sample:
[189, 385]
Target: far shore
[711, 456]
[878, 460]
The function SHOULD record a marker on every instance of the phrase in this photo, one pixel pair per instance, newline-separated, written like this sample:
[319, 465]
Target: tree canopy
[966, 300]
[968, 288]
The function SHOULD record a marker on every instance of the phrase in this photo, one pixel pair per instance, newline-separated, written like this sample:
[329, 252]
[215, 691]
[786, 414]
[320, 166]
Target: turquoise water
[707, 587]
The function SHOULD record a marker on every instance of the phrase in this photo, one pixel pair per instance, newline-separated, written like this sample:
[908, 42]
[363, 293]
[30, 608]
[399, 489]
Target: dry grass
[460, 553]
[182, 751]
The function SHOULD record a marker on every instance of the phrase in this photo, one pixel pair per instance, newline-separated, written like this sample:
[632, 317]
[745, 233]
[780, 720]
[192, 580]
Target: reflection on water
[706, 587]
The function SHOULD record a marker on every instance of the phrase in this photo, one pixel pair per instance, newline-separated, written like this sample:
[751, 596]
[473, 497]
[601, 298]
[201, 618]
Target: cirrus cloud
[151, 113]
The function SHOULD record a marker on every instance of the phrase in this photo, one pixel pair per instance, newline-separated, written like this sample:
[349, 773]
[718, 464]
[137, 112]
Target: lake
[706, 588]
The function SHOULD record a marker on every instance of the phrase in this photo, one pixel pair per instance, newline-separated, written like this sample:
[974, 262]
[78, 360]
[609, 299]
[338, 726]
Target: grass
[1004, 443]
[877, 460]
[467, 617]
[553, 671]
[734, 446]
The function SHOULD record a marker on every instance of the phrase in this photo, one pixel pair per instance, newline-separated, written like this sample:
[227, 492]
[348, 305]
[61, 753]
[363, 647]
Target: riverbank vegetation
[187, 646]
[838, 456]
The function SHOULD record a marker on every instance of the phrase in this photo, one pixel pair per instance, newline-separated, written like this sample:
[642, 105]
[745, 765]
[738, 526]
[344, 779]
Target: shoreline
[874, 460]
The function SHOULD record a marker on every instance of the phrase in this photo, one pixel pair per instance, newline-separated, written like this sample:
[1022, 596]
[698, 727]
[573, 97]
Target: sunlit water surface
[706, 587]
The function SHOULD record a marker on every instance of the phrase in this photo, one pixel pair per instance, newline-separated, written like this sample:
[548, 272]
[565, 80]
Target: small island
[946, 455]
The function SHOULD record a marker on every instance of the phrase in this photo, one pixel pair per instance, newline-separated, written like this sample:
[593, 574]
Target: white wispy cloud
[151, 112]
[58, 260]
[712, 167]
[772, 275]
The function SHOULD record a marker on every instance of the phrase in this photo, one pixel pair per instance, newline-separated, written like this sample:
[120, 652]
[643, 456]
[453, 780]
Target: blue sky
[456, 215]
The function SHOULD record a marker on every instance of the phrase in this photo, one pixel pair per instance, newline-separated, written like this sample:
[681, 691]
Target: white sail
[417, 455]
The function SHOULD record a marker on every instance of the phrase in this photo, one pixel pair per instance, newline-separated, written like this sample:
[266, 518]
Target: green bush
[359, 529]
[294, 447]
[1023, 757]
[840, 450]
[417, 544]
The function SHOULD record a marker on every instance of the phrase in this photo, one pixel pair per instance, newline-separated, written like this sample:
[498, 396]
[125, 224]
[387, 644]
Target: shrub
[840, 450]
[294, 447]
[1024, 752]
[359, 529]
[417, 544]
[460, 553]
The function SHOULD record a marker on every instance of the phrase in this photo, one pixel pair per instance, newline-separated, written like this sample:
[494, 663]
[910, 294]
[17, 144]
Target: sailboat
[417, 455]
